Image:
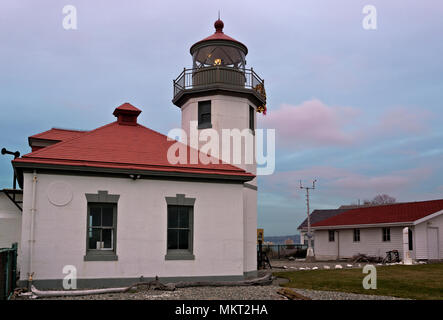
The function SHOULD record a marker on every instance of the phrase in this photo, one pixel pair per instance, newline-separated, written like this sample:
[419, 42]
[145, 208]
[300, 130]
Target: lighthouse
[219, 92]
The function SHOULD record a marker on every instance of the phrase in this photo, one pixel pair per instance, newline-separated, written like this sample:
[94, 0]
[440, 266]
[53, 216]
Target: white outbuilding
[376, 230]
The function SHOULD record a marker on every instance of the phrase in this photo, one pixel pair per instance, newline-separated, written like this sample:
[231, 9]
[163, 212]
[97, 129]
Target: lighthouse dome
[219, 49]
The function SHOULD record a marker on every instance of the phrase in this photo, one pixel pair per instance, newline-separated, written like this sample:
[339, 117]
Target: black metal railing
[207, 76]
[280, 251]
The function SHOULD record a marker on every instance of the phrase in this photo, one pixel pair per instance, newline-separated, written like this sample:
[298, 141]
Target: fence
[279, 251]
[203, 77]
[8, 271]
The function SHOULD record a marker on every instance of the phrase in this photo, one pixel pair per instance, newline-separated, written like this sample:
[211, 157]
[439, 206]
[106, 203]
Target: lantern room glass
[219, 55]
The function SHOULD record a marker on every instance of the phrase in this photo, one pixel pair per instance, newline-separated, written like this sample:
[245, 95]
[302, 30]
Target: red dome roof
[219, 35]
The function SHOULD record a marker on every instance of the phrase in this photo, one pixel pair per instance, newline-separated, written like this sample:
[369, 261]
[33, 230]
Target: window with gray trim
[101, 226]
[101, 233]
[204, 114]
[180, 228]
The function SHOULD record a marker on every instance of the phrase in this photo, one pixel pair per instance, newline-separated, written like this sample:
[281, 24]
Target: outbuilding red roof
[391, 213]
[122, 145]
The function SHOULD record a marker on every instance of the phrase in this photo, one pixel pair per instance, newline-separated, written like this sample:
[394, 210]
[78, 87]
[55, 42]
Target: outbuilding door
[432, 243]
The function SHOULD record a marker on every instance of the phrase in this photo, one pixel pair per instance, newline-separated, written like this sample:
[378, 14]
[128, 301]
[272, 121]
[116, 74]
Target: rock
[338, 266]
[315, 268]
[327, 267]
[349, 265]
[291, 258]
[301, 268]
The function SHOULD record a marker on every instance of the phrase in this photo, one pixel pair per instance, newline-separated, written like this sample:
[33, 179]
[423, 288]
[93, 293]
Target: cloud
[339, 183]
[316, 124]
[401, 121]
[311, 123]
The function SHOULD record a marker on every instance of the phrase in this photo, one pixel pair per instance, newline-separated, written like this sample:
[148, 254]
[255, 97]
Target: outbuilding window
[386, 234]
[331, 235]
[180, 228]
[204, 114]
[356, 235]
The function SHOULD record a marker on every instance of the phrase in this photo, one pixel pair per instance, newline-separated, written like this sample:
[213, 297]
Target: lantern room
[219, 67]
[219, 50]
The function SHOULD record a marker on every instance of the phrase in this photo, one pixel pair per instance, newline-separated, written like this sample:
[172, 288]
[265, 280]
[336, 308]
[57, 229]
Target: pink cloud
[400, 120]
[311, 123]
[315, 124]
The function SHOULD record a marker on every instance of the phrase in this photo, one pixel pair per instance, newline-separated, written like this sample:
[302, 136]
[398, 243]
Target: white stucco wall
[10, 222]
[227, 112]
[371, 243]
[60, 231]
[250, 229]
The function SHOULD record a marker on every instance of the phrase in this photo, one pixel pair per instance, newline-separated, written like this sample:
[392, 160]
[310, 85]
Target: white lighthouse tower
[218, 93]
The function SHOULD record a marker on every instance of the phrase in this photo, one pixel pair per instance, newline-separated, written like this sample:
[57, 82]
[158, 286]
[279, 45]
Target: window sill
[204, 126]
[179, 256]
[100, 256]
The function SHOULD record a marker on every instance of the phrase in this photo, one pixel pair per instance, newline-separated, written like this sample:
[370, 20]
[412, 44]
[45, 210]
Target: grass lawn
[414, 282]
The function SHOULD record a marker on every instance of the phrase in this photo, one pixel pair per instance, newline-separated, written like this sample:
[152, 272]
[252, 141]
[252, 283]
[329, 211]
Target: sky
[359, 110]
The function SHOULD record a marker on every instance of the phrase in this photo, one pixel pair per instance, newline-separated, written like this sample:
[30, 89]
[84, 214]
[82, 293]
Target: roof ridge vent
[127, 114]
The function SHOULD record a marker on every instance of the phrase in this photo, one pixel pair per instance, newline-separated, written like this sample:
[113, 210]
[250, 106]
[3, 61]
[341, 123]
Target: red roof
[123, 145]
[391, 213]
[58, 134]
[219, 35]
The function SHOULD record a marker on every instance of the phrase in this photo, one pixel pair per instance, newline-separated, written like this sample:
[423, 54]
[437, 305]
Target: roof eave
[20, 167]
[368, 225]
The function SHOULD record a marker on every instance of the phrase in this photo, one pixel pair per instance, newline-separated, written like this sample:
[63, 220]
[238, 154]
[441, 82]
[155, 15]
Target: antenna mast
[310, 251]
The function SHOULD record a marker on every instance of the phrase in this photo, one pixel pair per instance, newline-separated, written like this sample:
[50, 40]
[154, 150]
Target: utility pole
[310, 252]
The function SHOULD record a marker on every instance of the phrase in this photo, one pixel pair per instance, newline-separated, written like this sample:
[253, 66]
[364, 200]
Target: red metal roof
[58, 134]
[219, 35]
[121, 146]
[391, 213]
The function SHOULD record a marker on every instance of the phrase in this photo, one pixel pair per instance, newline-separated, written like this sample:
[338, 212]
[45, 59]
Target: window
[356, 235]
[180, 223]
[178, 228]
[331, 235]
[251, 118]
[204, 114]
[101, 233]
[411, 247]
[386, 234]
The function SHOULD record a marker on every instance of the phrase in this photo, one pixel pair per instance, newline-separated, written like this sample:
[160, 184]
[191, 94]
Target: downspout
[338, 244]
[31, 229]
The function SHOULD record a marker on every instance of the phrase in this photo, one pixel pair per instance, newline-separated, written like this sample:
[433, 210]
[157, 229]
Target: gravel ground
[198, 293]
[241, 293]
[226, 293]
